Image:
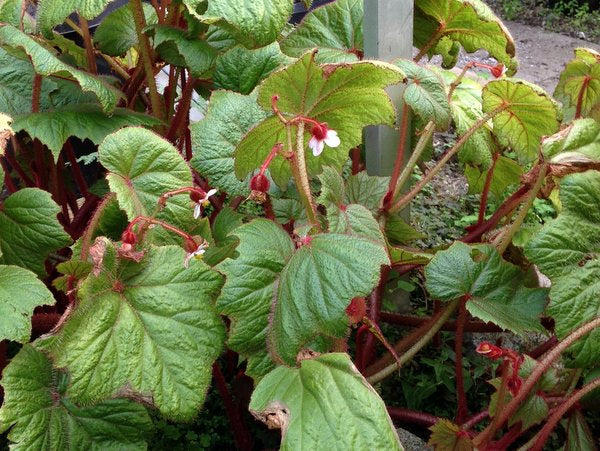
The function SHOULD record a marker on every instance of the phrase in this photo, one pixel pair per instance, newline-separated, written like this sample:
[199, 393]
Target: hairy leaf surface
[116, 33]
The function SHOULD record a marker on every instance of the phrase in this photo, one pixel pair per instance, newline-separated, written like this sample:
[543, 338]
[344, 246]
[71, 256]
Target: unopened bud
[190, 245]
[259, 183]
[128, 237]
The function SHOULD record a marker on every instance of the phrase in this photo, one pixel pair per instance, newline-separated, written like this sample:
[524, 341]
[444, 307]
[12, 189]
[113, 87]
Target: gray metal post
[388, 34]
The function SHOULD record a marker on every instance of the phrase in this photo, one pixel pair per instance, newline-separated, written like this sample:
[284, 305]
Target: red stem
[462, 411]
[356, 160]
[399, 157]
[411, 416]
[543, 348]
[506, 440]
[10, 185]
[417, 321]
[42, 323]
[268, 208]
[486, 189]
[584, 86]
[241, 435]
[35, 93]
[89, 47]
[272, 154]
[375, 299]
[475, 419]
[163, 224]
[359, 340]
[77, 174]
[79, 222]
[183, 109]
[15, 165]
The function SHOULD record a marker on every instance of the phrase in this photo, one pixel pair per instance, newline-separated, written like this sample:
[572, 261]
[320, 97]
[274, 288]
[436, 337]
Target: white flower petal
[332, 139]
[211, 192]
[197, 210]
[313, 143]
[318, 149]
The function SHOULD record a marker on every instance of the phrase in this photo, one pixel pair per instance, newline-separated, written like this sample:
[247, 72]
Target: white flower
[197, 254]
[321, 136]
[203, 202]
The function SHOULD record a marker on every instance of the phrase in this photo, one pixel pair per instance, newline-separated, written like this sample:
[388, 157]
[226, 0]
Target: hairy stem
[408, 355]
[411, 416]
[486, 189]
[375, 299]
[462, 411]
[35, 93]
[89, 46]
[399, 156]
[91, 227]
[430, 43]
[183, 110]
[77, 174]
[300, 173]
[584, 86]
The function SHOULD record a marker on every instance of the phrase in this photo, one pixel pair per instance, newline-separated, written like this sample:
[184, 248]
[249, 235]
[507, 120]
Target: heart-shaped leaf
[527, 113]
[495, 290]
[41, 417]
[20, 292]
[336, 29]
[149, 328]
[29, 230]
[324, 404]
[46, 64]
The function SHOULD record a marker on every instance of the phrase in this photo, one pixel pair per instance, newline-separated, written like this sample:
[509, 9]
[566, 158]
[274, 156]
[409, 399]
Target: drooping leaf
[495, 289]
[324, 404]
[579, 435]
[179, 49]
[20, 292]
[566, 250]
[408, 256]
[471, 23]
[425, 94]
[223, 244]
[250, 284]
[41, 417]
[241, 70]
[579, 83]
[336, 29]
[116, 33]
[348, 97]
[46, 64]
[577, 143]
[53, 128]
[506, 173]
[229, 117]
[29, 230]
[446, 436]
[239, 17]
[147, 328]
[528, 114]
[51, 12]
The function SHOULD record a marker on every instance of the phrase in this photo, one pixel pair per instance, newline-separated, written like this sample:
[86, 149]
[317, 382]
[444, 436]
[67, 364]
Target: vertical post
[388, 35]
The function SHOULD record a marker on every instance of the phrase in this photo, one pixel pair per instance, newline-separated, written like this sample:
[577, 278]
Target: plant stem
[475, 419]
[399, 157]
[375, 299]
[584, 86]
[538, 371]
[551, 423]
[404, 200]
[77, 174]
[91, 227]
[462, 411]
[408, 355]
[300, 173]
[8, 182]
[458, 79]
[89, 46]
[35, 93]
[418, 321]
[146, 56]
[486, 189]
[356, 161]
[432, 40]
[500, 403]
[411, 416]
[183, 110]
[516, 225]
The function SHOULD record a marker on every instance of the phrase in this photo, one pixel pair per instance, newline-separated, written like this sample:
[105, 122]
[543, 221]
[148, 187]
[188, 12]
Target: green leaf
[52, 12]
[239, 17]
[407, 256]
[287, 210]
[46, 64]
[470, 23]
[495, 289]
[20, 292]
[579, 435]
[224, 244]
[566, 250]
[336, 29]
[354, 219]
[445, 436]
[116, 33]
[229, 117]
[41, 417]
[399, 232]
[348, 97]
[146, 328]
[581, 79]
[250, 284]
[240, 69]
[53, 128]
[529, 114]
[10, 12]
[577, 143]
[507, 173]
[141, 167]
[425, 94]
[366, 190]
[177, 48]
[324, 404]
[29, 230]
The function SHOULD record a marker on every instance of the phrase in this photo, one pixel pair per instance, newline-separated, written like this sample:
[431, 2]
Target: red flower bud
[497, 70]
[197, 195]
[190, 245]
[259, 183]
[128, 237]
[489, 350]
[320, 131]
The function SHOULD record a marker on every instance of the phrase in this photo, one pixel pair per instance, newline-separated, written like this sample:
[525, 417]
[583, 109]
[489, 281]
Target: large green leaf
[366, 190]
[528, 114]
[336, 29]
[29, 230]
[425, 94]
[566, 250]
[229, 117]
[10, 12]
[506, 173]
[251, 281]
[177, 48]
[324, 404]
[20, 292]
[496, 290]
[147, 328]
[240, 69]
[579, 435]
[470, 23]
[40, 417]
[46, 64]
[579, 142]
[53, 128]
[581, 80]
[52, 12]
[348, 97]
[116, 33]
[239, 17]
